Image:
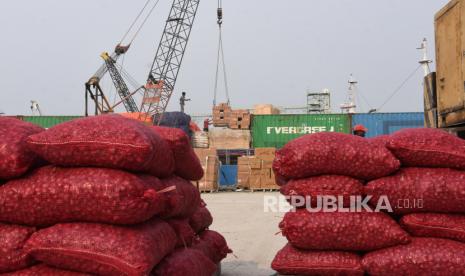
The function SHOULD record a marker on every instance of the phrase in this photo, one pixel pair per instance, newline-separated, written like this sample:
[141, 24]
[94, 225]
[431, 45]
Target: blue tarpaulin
[228, 175]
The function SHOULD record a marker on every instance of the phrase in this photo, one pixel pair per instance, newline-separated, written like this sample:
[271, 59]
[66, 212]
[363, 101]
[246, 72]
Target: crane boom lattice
[120, 85]
[165, 68]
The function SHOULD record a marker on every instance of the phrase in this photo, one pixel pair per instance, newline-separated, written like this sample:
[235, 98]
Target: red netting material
[427, 147]
[293, 261]
[334, 153]
[12, 240]
[435, 225]
[184, 262]
[346, 231]
[201, 219]
[110, 141]
[422, 189]
[44, 270]
[382, 140]
[183, 231]
[424, 256]
[52, 195]
[103, 249]
[180, 201]
[213, 245]
[325, 185]
[187, 164]
[15, 156]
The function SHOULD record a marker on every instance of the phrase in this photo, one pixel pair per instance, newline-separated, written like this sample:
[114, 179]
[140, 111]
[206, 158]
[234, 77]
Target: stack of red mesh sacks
[358, 242]
[428, 198]
[116, 200]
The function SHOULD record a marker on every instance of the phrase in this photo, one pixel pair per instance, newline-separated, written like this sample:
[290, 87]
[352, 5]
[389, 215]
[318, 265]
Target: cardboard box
[239, 119]
[255, 182]
[243, 169]
[221, 115]
[265, 109]
[230, 139]
[255, 163]
[210, 165]
[265, 152]
[267, 164]
[243, 180]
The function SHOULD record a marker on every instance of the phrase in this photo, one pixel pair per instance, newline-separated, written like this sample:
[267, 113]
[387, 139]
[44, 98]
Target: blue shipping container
[228, 175]
[387, 123]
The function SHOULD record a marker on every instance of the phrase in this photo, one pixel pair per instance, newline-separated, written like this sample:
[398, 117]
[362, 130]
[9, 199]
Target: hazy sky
[275, 50]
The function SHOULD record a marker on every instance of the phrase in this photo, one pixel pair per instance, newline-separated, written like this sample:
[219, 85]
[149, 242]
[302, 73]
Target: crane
[168, 58]
[121, 87]
[92, 86]
[164, 70]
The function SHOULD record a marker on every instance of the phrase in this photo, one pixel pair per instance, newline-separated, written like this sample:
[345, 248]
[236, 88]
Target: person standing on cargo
[183, 100]
[360, 130]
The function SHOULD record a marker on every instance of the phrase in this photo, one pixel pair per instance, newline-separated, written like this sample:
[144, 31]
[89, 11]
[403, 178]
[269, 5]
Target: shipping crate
[450, 63]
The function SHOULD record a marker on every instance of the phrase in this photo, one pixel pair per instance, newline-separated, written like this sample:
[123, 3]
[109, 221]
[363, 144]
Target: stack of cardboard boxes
[221, 115]
[265, 109]
[224, 116]
[267, 177]
[229, 138]
[210, 164]
[256, 172]
[245, 165]
[239, 119]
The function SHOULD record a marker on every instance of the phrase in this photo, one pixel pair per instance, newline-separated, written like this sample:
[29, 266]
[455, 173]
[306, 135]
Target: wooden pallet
[264, 190]
[209, 191]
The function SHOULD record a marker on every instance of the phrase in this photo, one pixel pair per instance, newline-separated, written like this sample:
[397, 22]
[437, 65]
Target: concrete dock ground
[249, 231]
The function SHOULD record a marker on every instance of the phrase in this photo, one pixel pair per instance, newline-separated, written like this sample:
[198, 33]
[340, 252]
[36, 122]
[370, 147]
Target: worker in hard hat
[360, 130]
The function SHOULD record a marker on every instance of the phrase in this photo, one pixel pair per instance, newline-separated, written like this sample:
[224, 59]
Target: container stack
[105, 195]
[414, 222]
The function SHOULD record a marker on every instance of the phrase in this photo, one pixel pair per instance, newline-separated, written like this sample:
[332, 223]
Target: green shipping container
[278, 130]
[49, 121]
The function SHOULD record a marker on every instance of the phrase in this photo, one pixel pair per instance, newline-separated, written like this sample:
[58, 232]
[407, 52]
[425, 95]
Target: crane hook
[220, 16]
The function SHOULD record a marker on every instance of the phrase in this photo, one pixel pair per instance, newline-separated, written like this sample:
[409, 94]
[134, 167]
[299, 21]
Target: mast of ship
[425, 61]
[350, 106]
